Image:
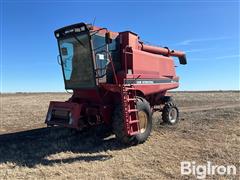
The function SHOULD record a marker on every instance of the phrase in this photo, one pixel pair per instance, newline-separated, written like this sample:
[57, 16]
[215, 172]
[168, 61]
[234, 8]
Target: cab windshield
[76, 61]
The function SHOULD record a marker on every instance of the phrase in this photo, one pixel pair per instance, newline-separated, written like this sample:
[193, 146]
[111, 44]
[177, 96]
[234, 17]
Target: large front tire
[145, 122]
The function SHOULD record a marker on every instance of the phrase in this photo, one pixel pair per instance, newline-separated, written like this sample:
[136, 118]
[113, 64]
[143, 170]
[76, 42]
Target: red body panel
[156, 65]
[73, 108]
[144, 65]
[158, 88]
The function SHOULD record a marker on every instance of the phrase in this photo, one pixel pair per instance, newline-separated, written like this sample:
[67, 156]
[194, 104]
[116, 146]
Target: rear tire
[103, 131]
[118, 123]
[170, 113]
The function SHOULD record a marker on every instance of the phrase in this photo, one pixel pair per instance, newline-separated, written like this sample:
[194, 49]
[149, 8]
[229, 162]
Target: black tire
[103, 131]
[170, 113]
[118, 124]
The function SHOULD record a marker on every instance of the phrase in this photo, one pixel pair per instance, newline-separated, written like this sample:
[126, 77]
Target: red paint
[152, 67]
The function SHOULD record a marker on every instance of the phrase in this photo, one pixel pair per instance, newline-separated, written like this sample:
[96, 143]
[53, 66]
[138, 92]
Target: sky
[208, 31]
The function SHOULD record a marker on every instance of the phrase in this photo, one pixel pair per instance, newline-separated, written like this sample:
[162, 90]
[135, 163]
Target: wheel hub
[142, 121]
[173, 115]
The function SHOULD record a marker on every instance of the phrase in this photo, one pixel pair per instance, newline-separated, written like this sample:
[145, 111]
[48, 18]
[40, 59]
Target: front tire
[145, 123]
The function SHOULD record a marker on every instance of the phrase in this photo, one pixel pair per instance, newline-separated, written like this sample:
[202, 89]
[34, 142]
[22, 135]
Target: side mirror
[183, 59]
[108, 38]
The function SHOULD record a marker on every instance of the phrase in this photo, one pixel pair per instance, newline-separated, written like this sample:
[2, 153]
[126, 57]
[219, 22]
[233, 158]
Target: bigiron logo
[209, 169]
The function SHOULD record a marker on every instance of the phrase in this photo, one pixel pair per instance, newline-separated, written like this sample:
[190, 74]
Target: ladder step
[134, 133]
[131, 99]
[129, 88]
[132, 110]
[128, 93]
[133, 121]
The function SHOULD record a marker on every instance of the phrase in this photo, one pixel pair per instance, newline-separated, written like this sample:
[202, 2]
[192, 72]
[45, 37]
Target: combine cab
[116, 80]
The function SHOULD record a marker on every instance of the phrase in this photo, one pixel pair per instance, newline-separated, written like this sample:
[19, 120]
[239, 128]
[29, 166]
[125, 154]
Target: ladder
[130, 111]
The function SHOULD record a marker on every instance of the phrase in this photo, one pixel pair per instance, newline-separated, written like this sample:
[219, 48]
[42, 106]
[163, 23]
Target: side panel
[149, 89]
[151, 73]
[145, 63]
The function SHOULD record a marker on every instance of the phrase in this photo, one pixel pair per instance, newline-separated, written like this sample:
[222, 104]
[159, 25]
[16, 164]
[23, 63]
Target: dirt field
[209, 130]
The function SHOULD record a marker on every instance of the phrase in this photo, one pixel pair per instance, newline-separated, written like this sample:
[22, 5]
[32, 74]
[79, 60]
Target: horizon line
[45, 92]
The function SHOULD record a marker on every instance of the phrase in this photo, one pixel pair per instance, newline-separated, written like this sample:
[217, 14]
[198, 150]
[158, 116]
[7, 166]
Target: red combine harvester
[116, 79]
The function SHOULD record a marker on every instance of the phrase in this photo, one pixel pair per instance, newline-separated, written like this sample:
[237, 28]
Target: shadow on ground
[30, 148]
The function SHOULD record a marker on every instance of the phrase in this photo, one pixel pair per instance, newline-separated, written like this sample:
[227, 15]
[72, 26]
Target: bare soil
[208, 131]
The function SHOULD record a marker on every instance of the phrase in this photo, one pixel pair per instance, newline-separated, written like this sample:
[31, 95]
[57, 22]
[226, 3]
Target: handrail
[113, 68]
